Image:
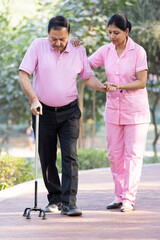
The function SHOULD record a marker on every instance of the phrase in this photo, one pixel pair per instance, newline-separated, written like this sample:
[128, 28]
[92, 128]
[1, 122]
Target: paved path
[95, 191]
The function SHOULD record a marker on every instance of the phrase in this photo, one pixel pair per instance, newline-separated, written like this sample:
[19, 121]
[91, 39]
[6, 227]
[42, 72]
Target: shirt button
[116, 73]
[118, 60]
[117, 110]
[117, 97]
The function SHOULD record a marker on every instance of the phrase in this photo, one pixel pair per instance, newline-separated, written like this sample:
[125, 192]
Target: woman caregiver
[127, 113]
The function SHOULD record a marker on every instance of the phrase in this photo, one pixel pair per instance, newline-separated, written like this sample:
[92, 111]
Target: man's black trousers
[62, 124]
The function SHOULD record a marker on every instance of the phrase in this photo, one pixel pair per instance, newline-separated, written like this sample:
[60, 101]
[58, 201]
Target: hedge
[14, 170]
[89, 159]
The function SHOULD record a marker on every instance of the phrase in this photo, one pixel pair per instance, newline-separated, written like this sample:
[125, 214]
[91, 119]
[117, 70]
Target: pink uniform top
[54, 74]
[123, 107]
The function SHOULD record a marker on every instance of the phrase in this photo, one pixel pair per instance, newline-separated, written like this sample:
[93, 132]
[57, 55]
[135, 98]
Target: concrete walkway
[95, 191]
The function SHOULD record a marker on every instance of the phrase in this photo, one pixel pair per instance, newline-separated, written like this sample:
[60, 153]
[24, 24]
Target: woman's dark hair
[120, 21]
[57, 23]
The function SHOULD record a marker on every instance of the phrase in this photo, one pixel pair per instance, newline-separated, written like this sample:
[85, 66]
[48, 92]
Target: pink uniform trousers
[125, 145]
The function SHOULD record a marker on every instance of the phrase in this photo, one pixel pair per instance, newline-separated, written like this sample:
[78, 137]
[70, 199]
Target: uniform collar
[129, 46]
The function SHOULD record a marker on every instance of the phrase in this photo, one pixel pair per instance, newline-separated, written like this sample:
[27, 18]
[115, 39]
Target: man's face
[58, 38]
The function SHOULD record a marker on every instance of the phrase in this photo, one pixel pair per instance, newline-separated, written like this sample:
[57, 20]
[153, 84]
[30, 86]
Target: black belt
[59, 109]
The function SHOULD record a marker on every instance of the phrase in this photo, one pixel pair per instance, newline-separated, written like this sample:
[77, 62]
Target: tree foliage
[144, 11]
[14, 43]
[12, 99]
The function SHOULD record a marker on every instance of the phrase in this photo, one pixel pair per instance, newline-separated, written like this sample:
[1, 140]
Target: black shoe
[55, 207]
[114, 205]
[70, 210]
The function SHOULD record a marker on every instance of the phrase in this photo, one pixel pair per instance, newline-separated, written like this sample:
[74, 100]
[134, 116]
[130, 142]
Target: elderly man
[55, 63]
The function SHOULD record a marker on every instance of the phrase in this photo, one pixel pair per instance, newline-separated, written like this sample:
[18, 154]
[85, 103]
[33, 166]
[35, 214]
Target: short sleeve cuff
[25, 70]
[92, 64]
[142, 69]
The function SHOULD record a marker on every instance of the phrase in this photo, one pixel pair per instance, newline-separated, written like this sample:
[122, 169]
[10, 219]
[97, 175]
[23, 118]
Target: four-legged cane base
[27, 212]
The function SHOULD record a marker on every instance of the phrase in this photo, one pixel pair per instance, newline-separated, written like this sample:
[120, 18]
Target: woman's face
[116, 35]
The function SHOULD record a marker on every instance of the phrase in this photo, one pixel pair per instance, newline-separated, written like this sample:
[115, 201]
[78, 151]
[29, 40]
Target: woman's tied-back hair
[57, 23]
[120, 21]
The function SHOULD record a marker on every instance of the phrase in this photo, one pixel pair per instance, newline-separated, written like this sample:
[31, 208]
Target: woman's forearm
[133, 85]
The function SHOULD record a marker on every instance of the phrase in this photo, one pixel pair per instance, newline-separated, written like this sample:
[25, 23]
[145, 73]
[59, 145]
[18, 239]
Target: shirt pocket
[134, 103]
[113, 100]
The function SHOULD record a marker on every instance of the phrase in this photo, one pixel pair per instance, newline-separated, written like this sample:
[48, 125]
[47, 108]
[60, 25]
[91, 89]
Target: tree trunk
[81, 95]
[155, 126]
[94, 92]
[5, 139]
[94, 117]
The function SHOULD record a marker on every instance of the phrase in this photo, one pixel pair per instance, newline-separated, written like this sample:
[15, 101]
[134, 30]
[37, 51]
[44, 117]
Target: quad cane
[27, 211]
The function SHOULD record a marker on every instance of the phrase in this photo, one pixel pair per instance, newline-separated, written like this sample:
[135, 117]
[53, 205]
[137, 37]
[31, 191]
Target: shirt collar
[129, 46]
[68, 47]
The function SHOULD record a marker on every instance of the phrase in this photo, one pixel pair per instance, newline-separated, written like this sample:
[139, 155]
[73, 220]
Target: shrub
[89, 159]
[14, 170]
[92, 158]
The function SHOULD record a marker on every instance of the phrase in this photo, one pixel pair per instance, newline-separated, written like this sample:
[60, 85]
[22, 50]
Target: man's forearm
[29, 92]
[26, 85]
[95, 84]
